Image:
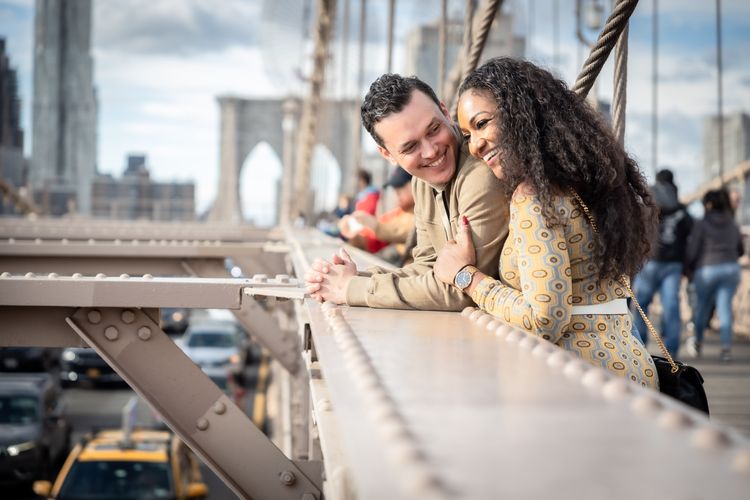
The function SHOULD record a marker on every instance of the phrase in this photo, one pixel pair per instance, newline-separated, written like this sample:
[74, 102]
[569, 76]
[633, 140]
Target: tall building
[135, 196]
[11, 135]
[736, 136]
[422, 46]
[63, 156]
[12, 162]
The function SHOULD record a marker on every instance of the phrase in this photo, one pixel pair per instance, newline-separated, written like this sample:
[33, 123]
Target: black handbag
[686, 384]
[677, 380]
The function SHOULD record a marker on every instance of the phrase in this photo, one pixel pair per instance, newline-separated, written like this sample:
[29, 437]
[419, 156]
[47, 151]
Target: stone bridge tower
[246, 122]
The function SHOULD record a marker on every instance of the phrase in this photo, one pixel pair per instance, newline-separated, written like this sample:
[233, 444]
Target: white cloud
[160, 65]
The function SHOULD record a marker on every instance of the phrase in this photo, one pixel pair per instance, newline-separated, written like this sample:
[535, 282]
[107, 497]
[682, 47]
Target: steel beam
[26, 327]
[83, 229]
[198, 411]
[283, 345]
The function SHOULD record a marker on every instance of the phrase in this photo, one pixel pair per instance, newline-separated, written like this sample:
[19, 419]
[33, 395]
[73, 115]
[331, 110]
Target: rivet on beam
[674, 420]
[287, 478]
[94, 316]
[111, 333]
[710, 438]
[144, 333]
[127, 316]
[201, 424]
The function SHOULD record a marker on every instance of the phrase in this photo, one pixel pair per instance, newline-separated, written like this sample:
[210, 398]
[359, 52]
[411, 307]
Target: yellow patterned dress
[544, 271]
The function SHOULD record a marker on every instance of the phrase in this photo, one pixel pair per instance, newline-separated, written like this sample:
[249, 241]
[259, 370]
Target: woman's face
[477, 117]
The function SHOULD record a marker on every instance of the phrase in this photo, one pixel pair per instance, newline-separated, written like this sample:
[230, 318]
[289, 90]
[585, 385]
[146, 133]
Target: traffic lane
[101, 407]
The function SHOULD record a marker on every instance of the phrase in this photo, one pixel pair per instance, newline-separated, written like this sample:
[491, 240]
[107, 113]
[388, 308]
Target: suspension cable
[450, 86]
[479, 39]
[616, 23]
[311, 106]
[619, 98]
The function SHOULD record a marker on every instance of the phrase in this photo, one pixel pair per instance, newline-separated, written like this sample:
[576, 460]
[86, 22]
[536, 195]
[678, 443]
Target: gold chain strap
[624, 281]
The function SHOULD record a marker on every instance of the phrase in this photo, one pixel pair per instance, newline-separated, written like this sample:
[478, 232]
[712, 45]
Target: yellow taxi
[119, 465]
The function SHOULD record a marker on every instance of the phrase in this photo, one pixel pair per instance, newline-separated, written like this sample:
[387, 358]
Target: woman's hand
[455, 254]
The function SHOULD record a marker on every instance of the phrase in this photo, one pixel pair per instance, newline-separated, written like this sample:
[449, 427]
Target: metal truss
[119, 318]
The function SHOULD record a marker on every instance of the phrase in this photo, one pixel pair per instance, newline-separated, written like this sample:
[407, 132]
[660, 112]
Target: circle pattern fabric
[544, 271]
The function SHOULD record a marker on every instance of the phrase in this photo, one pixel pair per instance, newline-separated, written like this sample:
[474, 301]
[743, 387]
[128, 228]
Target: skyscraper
[63, 156]
[422, 46]
[736, 142]
[11, 135]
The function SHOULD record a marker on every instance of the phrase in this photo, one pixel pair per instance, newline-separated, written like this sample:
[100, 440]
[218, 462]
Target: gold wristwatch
[462, 280]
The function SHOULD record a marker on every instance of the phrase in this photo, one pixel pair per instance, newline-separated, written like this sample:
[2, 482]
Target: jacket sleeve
[415, 286]
[543, 305]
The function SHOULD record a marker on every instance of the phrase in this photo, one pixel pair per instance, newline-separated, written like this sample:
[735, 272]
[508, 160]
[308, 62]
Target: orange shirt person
[371, 233]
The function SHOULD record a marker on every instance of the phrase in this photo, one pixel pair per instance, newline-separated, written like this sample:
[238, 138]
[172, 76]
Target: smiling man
[413, 129]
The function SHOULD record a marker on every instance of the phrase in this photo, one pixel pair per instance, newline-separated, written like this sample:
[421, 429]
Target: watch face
[463, 279]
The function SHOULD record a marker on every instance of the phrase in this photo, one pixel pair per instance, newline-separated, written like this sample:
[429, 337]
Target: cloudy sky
[159, 66]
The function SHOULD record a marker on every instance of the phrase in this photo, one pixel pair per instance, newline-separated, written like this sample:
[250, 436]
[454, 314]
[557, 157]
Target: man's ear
[445, 111]
[387, 155]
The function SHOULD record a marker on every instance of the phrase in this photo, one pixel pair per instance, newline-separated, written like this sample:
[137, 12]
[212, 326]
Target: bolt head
[220, 408]
[127, 316]
[111, 333]
[94, 317]
[201, 424]
[287, 478]
[144, 333]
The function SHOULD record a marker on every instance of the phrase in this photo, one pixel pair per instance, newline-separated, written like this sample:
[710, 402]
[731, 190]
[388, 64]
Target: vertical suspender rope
[603, 46]
[391, 9]
[619, 99]
[357, 150]
[344, 51]
[655, 87]
[479, 38]
[450, 86]
[720, 93]
[442, 40]
[311, 106]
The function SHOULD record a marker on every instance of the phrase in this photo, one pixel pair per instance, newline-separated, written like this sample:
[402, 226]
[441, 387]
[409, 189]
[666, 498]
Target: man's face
[419, 138]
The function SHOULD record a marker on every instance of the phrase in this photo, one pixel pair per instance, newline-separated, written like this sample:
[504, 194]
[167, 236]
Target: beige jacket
[475, 193]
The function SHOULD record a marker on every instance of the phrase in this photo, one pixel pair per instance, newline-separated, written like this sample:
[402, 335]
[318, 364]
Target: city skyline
[159, 68]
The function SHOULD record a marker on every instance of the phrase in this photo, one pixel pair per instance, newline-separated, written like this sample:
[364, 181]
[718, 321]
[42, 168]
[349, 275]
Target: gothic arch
[244, 123]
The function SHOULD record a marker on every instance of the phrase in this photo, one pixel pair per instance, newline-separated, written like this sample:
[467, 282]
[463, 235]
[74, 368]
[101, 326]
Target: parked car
[119, 465]
[28, 359]
[175, 320]
[34, 433]
[216, 344]
[83, 364]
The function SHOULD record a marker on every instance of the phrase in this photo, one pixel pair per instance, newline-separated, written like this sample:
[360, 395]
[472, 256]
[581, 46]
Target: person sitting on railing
[413, 129]
[581, 216]
[387, 234]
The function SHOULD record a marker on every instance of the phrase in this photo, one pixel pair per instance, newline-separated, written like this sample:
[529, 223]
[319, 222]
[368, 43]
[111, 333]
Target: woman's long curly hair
[553, 141]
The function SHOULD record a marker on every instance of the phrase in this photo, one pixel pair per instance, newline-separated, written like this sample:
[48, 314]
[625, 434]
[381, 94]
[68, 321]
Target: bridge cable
[479, 39]
[608, 37]
[311, 106]
[619, 98]
[454, 77]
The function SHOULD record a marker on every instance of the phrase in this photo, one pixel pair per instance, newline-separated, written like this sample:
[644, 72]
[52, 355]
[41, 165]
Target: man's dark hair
[364, 176]
[390, 94]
